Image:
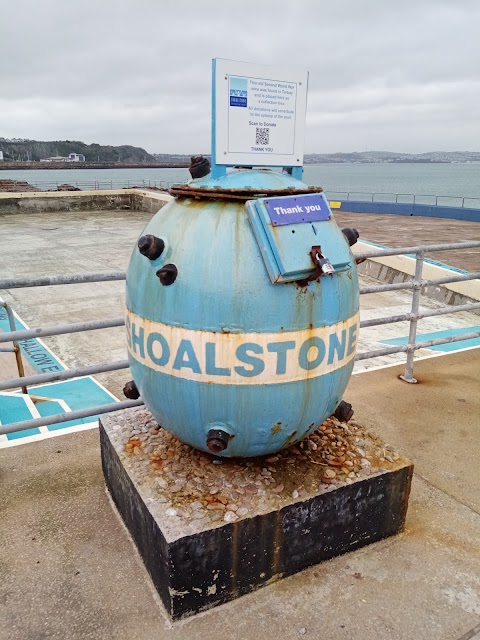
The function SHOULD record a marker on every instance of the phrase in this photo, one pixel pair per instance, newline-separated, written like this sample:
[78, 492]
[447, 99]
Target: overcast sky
[398, 75]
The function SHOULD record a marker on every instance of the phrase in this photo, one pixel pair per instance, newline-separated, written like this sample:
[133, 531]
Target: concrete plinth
[210, 530]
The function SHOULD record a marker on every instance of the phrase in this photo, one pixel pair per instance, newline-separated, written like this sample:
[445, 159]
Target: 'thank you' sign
[297, 209]
[259, 114]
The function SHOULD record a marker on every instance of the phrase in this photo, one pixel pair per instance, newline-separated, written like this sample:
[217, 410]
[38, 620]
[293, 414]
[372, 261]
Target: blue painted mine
[223, 347]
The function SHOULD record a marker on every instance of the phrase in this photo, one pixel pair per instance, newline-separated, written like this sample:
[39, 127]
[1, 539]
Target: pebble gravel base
[210, 529]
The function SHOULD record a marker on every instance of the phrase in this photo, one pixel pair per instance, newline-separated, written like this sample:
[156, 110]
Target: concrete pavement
[69, 571]
[436, 422]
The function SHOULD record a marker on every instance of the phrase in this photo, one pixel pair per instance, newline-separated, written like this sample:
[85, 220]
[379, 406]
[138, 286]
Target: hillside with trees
[33, 150]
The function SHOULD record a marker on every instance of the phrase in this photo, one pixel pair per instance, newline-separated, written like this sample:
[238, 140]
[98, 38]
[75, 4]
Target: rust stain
[290, 439]
[435, 380]
[235, 194]
[276, 428]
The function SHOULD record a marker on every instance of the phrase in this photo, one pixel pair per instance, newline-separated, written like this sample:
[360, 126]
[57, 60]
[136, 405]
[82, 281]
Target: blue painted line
[81, 393]
[39, 357]
[449, 346]
[78, 394]
[23, 434]
[49, 408]
[14, 409]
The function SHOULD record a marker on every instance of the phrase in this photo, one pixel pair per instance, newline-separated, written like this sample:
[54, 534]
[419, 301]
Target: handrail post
[412, 335]
[16, 346]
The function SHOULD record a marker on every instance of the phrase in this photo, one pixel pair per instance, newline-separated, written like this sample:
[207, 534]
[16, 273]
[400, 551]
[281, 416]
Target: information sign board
[258, 114]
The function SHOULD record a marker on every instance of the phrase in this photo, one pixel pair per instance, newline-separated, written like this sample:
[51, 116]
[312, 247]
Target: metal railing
[404, 198]
[332, 193]
[416, 285]
[16, 347]
[94, 185]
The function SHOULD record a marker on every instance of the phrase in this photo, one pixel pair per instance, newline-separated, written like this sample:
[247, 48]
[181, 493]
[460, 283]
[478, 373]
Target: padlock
[325, 265]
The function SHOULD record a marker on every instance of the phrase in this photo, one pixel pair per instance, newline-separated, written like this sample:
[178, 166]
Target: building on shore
[72, 157]
[76, 157]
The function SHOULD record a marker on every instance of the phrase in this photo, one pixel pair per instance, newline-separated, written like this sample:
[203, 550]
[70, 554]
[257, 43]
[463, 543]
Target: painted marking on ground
[447, 333]
[34, 351]
[47, 399]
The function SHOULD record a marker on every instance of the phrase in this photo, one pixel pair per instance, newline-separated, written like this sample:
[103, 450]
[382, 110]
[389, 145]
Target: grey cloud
[400, 76]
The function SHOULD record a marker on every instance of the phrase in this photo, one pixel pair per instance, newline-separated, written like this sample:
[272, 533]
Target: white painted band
[241, 358]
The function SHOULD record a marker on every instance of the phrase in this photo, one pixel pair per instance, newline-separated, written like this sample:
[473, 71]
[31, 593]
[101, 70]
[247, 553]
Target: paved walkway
[407, 231]
[68, 570]
[435, 422]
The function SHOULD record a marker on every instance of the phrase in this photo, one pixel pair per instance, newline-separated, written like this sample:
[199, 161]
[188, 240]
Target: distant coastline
[338, 179]
[67, 166]
[23, 154]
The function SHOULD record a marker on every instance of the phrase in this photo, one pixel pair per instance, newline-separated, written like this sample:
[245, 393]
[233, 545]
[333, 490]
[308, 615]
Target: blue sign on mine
[296, 209]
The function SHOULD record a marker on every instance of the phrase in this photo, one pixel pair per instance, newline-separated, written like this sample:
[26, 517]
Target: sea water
[338, 180]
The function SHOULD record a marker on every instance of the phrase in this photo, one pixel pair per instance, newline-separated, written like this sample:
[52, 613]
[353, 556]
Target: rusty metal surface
[237, 194]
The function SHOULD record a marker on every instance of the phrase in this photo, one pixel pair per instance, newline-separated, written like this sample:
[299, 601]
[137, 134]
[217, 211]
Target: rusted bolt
[131, 391]
[151, 247]
[344, 411]
[199, 167]
[217, 440]
[351, 235]
[167, 274]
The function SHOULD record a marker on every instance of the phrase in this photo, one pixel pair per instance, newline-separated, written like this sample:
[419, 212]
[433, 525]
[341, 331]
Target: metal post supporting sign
[258, 116]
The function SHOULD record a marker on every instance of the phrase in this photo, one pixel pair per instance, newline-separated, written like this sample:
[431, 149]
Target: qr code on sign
[263, 136]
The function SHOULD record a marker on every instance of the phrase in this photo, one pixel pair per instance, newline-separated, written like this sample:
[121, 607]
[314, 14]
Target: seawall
[408, 209]
[133, 199]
